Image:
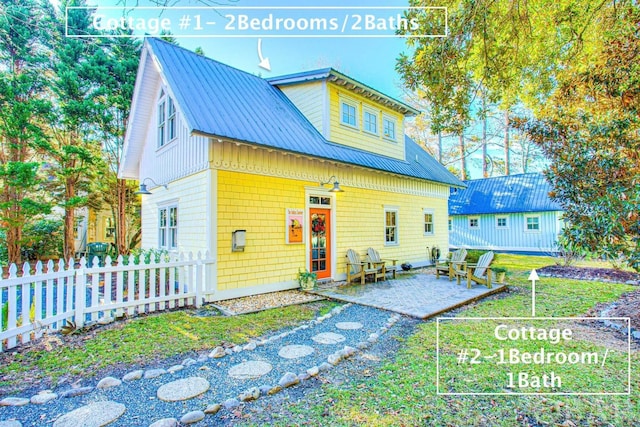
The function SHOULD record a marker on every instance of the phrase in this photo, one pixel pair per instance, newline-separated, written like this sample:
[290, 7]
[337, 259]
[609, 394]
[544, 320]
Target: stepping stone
[328, 338]
[94, 415]
[295, 351]
[349, 325]
[250, 370]
[184, 389]
[10, 423]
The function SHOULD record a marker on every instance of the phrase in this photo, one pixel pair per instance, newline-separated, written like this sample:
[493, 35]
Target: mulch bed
[628, 305]
[590, 273]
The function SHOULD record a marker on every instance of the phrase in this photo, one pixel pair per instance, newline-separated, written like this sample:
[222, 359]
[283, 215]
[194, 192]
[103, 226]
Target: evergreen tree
[25, 108]
[116, 69]
[74, 148]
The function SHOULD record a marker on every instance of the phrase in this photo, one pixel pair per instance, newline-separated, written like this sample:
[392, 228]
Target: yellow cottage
[277, 176]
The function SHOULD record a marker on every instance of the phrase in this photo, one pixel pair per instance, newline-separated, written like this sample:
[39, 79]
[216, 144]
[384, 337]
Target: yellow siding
[257, 204]
[358, 138]
[309, 99]
[361, 224]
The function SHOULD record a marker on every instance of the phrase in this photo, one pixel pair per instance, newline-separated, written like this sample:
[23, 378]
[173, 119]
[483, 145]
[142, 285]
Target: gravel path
[217, 380]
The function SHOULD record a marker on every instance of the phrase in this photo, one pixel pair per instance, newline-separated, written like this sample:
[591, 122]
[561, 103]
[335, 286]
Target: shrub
[41, 238]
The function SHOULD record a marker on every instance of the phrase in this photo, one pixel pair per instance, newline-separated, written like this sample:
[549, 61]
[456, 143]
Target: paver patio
[420, 295]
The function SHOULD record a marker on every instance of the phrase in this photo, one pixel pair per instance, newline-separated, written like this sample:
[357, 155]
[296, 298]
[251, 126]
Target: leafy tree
[116, 69]
[74, 149]
[574, 64]
[591, 133]
[24, 106]
[509, 52]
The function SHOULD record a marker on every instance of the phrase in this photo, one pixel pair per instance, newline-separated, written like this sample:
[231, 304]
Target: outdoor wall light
[143, 186]
[336, 185]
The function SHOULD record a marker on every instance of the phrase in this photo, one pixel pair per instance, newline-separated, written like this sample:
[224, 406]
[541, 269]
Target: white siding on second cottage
[512, 238]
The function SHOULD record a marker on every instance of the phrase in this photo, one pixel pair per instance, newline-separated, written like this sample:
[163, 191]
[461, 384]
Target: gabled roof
[223, 102]
[340, 79]
[504, 194]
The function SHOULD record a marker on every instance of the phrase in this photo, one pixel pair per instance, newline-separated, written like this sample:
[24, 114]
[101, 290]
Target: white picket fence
[46, 299]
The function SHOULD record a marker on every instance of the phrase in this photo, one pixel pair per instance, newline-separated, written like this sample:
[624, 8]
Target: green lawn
[404, 392]
[143, 340]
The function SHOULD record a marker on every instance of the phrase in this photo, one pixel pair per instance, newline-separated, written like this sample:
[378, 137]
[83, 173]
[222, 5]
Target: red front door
[320, 259]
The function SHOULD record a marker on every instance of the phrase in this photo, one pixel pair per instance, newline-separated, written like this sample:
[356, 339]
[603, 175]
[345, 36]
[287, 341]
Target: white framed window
[168, 227]
[390, 226]
[349, 114]
[162, 120]
[171, 119]
[502, 222]
[474, 222]
[532, 223]
[370, 121]
[429, 228]
[389, 128]
[167, 119]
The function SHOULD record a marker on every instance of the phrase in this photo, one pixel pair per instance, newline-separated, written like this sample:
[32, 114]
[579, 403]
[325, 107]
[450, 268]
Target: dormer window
[371, 121]
[167, 121]
[349, 114]
[389, 128]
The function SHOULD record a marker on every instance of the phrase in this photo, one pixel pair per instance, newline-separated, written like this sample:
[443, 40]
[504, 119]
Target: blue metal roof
[222, 101]
[505, 194]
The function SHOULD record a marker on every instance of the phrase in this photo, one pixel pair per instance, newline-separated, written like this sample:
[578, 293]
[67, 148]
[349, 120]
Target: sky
[367, 59]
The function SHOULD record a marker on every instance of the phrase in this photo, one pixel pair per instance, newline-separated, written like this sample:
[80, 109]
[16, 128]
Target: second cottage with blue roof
[277, 176]
[511, 213]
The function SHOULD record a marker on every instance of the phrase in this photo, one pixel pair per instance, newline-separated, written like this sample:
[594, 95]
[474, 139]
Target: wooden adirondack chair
[374, 258]
[358, 269]
[455, 262]
[479, 272]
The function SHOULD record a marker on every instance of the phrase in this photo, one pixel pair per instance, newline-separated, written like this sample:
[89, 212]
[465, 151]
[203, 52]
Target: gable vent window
[171, 120]
[167, 119]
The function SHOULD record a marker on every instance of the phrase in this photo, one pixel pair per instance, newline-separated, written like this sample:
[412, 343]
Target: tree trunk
[14, 236]
[122, 244]
[440, 147]
[69, 220]
[13, 214]
[485, 155]
[463, 157]
[507, 170]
